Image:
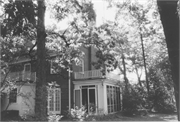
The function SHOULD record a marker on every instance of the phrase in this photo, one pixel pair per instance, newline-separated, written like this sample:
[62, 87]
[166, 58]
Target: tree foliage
[118, 43]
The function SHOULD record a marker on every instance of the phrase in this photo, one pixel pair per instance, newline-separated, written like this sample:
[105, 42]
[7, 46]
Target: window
[27, 67]
[113, 98]
[86, 96]
[77, 98]
[55, 67]
[13, 96]
[54, 100]
[27, 71]
[81, 65]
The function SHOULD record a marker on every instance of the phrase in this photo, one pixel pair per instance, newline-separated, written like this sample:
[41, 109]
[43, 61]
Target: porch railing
[88, 74]
[21, 76]
[95, 74]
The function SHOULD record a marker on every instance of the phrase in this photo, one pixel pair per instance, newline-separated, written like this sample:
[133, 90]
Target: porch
[100, 96]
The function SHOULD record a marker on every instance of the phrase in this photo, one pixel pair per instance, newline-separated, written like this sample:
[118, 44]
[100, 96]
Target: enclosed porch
[98, 96]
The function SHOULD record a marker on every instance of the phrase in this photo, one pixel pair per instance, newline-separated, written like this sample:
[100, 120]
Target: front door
[87, 97]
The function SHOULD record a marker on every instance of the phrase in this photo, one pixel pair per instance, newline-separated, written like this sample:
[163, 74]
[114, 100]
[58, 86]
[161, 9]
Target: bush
[133, 99]
[9, 115]
[162, 91]
[54, 118]
[78, 114]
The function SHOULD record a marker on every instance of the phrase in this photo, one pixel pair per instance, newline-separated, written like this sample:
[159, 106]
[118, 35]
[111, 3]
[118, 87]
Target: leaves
[17, 15]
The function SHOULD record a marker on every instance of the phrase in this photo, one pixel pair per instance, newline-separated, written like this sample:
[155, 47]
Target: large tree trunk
[41, 92]
[170, 21]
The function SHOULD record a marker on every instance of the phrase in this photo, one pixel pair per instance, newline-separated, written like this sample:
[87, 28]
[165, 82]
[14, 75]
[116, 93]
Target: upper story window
[81, 65]
[27, 67]
[55, 68]
[13, 96]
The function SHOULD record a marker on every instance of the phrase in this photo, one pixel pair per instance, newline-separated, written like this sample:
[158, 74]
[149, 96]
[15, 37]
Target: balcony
[21, 76]
[88, 74]
[95, 74]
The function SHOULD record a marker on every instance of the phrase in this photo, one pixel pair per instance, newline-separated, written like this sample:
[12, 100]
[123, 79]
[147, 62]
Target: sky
[102, 13]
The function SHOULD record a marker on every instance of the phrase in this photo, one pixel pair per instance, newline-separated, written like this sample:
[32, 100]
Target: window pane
[92, 103]
[108, 95]
[77, 98]
[57, 100]
[13, 95]
[120, 98]
[51, 101]
[27, 67]
[109, 109]
[117, 96]
[85, 98]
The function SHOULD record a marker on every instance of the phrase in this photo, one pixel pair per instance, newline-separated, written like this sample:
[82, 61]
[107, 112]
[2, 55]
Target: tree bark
[170, 21]
[124, 72]
[139, 77]
[144, 60]
[41, 100]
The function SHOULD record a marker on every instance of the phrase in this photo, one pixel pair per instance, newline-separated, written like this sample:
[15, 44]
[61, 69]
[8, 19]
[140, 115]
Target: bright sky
[102, 13]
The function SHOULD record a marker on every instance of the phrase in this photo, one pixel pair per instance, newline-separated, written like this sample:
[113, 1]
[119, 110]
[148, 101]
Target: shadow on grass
[120, 117]
[149, 117]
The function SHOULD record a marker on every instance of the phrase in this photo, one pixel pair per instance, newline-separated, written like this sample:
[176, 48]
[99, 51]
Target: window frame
[25, 67]
[81, 65]
[113, 105]
[54, 101]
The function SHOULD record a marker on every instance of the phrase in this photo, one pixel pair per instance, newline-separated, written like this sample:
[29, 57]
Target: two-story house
[87, 86]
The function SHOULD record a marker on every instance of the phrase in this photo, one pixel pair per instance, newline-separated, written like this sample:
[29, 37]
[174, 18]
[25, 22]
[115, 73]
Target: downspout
[89, 57]
[69, 79]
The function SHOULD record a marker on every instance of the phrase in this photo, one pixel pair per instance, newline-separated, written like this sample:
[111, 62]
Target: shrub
[162, 97]
[9, 115]
[54, 118]
[133, 99]
[78, 114]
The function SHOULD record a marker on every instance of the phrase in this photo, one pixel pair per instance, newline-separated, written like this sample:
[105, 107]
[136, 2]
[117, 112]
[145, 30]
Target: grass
[149, 117]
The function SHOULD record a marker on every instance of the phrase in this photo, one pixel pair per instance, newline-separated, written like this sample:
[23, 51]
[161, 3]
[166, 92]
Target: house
[99, 93]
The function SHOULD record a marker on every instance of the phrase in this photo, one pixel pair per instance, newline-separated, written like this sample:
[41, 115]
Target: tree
[20, 18]
[170, 21]
[161, 87]
[41, 100]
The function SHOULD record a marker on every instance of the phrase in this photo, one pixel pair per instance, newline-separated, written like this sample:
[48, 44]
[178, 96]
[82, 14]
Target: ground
[149, 117]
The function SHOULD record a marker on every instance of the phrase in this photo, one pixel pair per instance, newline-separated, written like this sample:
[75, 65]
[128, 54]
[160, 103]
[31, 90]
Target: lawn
[149, 117]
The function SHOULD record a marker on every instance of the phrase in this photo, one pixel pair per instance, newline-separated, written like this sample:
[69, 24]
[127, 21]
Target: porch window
[13, 96]
[77, 98]
[54, 100]
[86, 96]
[113, 99]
